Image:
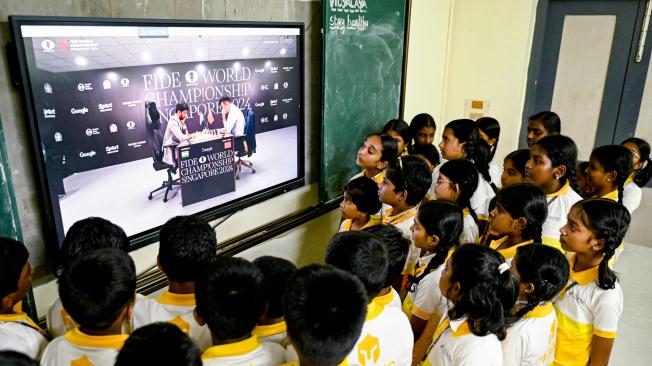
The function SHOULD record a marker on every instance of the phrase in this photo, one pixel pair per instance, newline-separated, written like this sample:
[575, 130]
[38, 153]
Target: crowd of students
[439, 261]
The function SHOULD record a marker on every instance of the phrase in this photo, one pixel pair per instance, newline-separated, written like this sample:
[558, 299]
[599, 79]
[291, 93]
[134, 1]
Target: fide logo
[202, 160]
[124, 82]
[48, 45]
[285, 85]
[131, 125]
[285, 116]
[192, 77]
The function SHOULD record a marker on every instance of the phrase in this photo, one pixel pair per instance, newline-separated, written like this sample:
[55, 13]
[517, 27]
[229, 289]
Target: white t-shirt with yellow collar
[508, 253]
[172, 308]
[424, 300]
[455, 345]
[403, 221]
[481, 199]
[250, 352]
[559, 205]
[531, 340]
[391, 299]
[346, 224]
[77, 348]
[274, 333]
[386, 338]
[632, 194]
[378, 178]
[19, 333]
[470, 232]
[584, 310]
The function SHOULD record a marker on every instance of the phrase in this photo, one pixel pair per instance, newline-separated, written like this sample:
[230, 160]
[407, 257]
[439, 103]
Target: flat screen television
[101, 98]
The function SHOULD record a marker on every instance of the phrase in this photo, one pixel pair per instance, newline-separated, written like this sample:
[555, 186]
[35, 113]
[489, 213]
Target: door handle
[641, 39]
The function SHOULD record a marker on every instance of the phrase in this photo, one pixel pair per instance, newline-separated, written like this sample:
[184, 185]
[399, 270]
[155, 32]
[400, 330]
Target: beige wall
[470, 50]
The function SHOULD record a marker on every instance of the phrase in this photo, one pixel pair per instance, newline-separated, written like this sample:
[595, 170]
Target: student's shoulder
[275, 351]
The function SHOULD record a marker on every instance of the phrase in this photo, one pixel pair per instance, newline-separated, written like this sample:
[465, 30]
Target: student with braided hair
[489, 131]
[552, 167]
[640, 176]
[542, 272]
[609, 168]
[590, 306]
[436, 231]
[456, 183]
[461, 140]
[521, 210]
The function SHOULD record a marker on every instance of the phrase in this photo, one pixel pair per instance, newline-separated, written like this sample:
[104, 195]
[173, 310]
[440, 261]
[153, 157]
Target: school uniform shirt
[508, 253]
[378, 178]
[559, 205]
[584, 310]
[346, 224]
[403, 221]
[76, 348]
[172, 308]
[19, 333]
[454, 344]
[390, 299]
[386, 338]
[424, 300]
[470, 231]
[481, 199]
[531, 340]
[274, 333]
[495, 172]
[250, 352]
[632, 194]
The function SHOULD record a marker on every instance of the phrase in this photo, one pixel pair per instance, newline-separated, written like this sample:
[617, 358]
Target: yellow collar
[378, 178]
[373, 310]
[460, 327]
[271, 329]
[115, 341]
[540, 311]
[563, 190]
[630, 179]
[373, 220]
[583, 277]
[466, 212]
[403, 216]
[169, 298]
[232, 349]
[613, 195]
[385, 299]
[17, 317]
[510, 252]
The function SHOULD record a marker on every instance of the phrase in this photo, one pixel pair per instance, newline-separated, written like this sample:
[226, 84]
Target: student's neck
[425, 253]
[218, 342]
[513, 238]
[601, 191]
[270, 321]
[552, 187]
[4, 311]
[384, 291]
[586, 261]
[181, 288]
[371, 172]
[399, 207]
[114, 329]
[359, 223]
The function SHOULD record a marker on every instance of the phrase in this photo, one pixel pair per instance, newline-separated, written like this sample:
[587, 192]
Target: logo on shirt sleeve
[369, 350]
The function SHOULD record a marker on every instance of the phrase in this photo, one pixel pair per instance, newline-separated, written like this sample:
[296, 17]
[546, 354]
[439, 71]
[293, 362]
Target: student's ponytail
[487, 289]
[490, 127]
[527, 201]
[609, 222]
[643, 175]
[476, 149]
[444, 220]
[546, 268]
[464, 174]
[615, 158]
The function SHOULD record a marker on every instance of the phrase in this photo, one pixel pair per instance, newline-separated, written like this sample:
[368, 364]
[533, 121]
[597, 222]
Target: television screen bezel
[144, 238]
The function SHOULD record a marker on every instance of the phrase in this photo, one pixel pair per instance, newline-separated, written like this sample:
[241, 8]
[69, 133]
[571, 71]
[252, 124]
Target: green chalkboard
[364, 43]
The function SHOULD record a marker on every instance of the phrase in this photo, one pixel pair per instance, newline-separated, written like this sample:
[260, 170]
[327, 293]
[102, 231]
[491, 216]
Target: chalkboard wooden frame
[337, 167]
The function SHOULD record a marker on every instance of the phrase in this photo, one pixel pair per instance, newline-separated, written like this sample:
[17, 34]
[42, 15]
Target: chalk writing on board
[348, 6]
[352, 19]
[342, 25]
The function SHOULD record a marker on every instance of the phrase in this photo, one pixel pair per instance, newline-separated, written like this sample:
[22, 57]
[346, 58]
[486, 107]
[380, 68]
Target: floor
[119, 193]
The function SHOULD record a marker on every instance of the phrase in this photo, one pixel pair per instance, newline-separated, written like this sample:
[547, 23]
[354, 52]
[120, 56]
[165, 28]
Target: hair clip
[503, 267]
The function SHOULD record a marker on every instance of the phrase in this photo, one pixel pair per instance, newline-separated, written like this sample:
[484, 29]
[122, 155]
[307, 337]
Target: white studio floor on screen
[119, 193]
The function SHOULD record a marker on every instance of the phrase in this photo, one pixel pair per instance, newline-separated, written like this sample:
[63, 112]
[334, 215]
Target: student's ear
[529, 288]
[433, 241]
[198, 317]
[7, 302]
[382, 165]
[520, 223]
[597, 244]
[453, 291]
[611, 176]
[559, 171]
[492, 142]
[403, 195]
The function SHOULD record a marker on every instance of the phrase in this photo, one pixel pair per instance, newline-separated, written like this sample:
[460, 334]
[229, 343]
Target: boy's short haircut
[187, 244]
[13, 358]
[428, 151]
[361, 254]
[97, 287]
[13, 257]
[364, 194]
[398, 247]
[90, 234]
[159, 344]
[410, 174]
[276, 273]
[229, 297]
[325, 309]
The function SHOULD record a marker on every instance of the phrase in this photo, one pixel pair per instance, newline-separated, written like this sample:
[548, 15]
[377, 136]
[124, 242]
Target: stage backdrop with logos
[96, 118]
[364, 44]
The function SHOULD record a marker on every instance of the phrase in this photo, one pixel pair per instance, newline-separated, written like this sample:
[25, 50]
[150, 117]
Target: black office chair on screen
[246, 145]
[156, 148]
